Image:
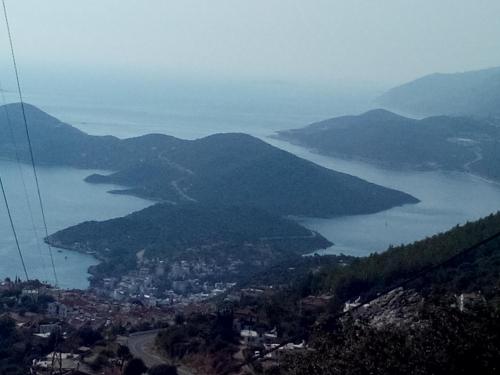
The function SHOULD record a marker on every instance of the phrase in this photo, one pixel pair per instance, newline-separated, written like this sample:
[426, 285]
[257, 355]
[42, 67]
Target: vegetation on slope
[231, 169]
[368, 276]
[218, 235]
[164, 229]
[382, 137]
[427, 332]
[423, 329]
[446, 341]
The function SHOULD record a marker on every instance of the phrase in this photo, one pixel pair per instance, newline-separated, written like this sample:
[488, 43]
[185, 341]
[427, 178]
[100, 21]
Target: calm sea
[68, 201]
[191, 112]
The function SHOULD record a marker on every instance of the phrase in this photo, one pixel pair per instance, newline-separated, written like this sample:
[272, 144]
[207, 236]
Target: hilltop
[382, 137]
[167, 230]
[228, 241]
[475, 93]
[229, 169]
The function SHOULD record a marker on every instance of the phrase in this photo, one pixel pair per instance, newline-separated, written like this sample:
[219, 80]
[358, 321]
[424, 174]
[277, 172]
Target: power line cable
[23, 110]
[13, 229]
[23, 180]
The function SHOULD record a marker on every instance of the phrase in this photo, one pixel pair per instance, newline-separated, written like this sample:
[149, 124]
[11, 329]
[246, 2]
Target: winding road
[181, 192]
[141, 345]
[479, 157]
[175, 183]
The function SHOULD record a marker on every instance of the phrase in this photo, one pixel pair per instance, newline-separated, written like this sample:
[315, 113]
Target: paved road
[479, 157]
[278, 238]
[181, 192]
[141, 345]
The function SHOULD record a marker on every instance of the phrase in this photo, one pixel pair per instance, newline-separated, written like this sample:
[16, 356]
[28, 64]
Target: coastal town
[49, 314]
[161, 282]
[184, 282]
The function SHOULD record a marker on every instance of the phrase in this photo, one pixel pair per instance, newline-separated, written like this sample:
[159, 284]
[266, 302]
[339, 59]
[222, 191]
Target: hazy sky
[386, 41]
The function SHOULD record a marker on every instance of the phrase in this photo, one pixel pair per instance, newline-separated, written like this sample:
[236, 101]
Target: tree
[179, 319]
[88, 336]
[135, 367]
[7, 328]
[99, 362]
[123, 353]
[163, 370]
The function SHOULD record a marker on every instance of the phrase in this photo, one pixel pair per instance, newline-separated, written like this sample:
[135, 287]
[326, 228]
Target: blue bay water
[68, 201]
[447, 199]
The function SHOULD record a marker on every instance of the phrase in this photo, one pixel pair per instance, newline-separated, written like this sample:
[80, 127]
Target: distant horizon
[74, 98]
[34, 73]
[313, 43]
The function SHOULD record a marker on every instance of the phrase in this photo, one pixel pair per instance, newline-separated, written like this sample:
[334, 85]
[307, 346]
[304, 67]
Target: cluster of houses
[79, 308]
[82, 308]
[156, 284]
[63, 363]
[264, 343]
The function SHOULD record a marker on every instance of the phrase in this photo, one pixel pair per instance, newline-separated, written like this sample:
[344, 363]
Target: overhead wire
[23, 180]
[16, 239]
[30, 146]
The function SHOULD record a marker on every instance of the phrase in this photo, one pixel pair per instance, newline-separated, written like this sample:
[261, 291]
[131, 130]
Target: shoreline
[394, 167]
[100, 259]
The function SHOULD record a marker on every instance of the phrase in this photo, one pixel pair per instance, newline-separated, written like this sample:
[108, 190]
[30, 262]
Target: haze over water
[191, 111]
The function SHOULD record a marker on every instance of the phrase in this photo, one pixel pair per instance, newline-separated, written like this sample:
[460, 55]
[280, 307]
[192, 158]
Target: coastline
[396, 167]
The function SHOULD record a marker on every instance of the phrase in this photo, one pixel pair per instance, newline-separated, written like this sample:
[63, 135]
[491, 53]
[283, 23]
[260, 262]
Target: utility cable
[23, 180]
[13, 229]
[23, 110]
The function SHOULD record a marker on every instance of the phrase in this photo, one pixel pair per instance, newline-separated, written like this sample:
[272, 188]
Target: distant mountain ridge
[228, 169]
[382, 137]
[475, 93]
